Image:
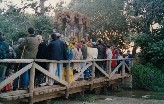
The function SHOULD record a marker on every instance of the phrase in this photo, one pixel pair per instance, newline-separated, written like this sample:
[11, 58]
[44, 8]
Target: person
[4, 51]
[56, 50]
[41, 54]
[88, 72]
[29, 50]
[69, 57]
[120, 57]
[77, 55]
[113, 64]
[108, 52]
[128, 62]
[84, 49]
[18, 56]
[100, 56]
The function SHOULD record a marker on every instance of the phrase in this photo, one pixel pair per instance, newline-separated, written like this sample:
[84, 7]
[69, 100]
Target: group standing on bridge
[33, 47]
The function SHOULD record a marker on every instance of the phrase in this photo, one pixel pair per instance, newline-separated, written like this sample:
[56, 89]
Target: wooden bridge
[65, 88]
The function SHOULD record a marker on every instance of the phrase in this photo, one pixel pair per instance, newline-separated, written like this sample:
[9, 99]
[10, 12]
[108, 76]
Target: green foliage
[152, 50]
[146, 76]
[15, 26]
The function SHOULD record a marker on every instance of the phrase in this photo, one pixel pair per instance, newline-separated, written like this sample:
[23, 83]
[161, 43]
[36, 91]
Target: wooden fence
[108, 72]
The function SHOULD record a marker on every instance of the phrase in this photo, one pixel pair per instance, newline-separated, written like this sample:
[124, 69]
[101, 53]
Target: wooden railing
[32, 65]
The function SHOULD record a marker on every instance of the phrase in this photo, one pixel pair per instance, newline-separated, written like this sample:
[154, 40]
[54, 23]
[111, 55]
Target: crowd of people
[33, 47]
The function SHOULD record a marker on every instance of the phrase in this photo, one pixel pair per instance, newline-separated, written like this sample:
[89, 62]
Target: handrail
[33, 65]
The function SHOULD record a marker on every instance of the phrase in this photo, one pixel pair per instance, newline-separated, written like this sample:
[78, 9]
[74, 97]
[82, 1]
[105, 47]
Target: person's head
[89, 44]
[21, 40]
[53, 36]
[108, 46]
[83, 41]
[98, 41]
[40, 38]
[31, 31]
[2, 36]
[128, 52]
[58, 35]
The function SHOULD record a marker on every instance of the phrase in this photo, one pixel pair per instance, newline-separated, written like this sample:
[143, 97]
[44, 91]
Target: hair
[1, 36]
[128, 51]
[53, 36]
[121, 53]
[99, 41]
[31, 30]
[108, 46]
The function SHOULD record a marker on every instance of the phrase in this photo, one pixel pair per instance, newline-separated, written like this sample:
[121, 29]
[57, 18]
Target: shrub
[147, 76]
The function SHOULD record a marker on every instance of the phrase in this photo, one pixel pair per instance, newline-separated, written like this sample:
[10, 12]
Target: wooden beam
[14, 76]
[102, 70]
[127, 67]
[93, 70]
[31, 84]
[50, 75]
[16, 60]
[116, 69]
[82, 71]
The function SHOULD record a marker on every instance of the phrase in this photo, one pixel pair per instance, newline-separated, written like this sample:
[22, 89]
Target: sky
[18, 3]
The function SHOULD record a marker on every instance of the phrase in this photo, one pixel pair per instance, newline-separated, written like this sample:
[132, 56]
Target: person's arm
[23, 45]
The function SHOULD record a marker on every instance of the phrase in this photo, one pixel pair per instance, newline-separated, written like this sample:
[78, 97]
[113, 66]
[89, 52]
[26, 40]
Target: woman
[41, 54]
[77, 55]
[88, 72]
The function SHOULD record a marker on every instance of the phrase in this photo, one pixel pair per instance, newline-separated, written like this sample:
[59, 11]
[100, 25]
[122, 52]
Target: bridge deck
[65, 88]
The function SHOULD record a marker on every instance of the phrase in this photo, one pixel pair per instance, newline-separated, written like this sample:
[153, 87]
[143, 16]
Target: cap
[58, 34]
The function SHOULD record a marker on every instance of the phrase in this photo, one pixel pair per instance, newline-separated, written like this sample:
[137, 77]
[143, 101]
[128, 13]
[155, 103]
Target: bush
[147, 76]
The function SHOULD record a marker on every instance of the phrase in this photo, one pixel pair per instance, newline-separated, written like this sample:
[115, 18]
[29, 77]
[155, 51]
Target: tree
[107, 19]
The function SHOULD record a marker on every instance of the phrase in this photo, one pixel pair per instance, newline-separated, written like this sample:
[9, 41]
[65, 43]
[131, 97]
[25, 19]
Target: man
[56, 50]
[29, 51]
[101, 55]
[4, 51]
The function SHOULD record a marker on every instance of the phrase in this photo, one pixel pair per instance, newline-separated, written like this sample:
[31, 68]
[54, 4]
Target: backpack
[3, 53]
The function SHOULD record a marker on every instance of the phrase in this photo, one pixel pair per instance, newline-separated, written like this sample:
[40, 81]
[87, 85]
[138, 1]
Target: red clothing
[113, 64]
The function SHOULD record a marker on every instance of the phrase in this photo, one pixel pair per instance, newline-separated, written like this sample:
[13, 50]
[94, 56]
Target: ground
[114, 100]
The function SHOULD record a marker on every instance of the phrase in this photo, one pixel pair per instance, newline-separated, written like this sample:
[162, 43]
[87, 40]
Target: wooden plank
[12, 93]
[110, 67]
[14, 76]
[46, 96]
[127, 67]
[102, 70]
[52, 61]
[50, 75]
[82, 71]
[16, 60]
[116, 69]
[93, 70]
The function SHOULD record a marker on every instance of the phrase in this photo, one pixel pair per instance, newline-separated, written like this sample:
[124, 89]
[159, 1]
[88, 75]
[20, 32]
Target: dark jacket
[100, 51]
[6, 47]
[84, 51]
[56, 50]
[41, 54]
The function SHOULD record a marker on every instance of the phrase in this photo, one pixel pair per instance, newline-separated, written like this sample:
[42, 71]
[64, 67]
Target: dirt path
[116, 100]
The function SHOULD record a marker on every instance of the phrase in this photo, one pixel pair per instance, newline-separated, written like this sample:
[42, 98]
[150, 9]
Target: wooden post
[67, 79]
[109, 67]
[93, 70]
[123, 70]
[31, 85]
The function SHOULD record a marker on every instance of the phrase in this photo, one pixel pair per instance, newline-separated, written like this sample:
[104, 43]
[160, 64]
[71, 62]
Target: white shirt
[109, 53]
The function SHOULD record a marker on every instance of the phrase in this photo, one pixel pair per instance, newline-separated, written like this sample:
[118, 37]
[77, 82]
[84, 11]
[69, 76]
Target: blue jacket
[56, 50]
